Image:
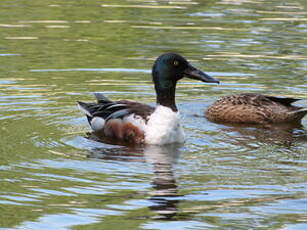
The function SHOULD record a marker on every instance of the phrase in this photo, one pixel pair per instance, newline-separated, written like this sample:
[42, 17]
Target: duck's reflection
[285, 135]
[165, 191]
[164, 195]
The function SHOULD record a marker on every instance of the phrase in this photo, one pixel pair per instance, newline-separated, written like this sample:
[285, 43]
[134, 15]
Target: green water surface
[55, 52]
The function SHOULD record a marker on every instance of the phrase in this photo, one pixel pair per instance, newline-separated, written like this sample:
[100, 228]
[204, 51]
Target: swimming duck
[134, 122]
[252, 108]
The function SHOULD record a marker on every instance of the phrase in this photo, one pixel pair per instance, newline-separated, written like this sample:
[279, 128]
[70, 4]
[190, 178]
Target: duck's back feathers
[283, 100]
[254, 109]
[108, 109]
[101, 98]
[122, 120]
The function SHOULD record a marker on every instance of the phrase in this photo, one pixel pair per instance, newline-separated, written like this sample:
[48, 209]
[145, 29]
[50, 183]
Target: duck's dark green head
[167, 70]
[173, 67]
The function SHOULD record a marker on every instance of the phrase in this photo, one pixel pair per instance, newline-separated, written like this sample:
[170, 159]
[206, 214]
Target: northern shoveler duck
[134, 122]
[251, 108]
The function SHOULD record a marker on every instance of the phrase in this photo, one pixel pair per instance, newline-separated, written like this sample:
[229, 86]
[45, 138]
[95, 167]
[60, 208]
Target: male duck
[251, 108]
[134, 122]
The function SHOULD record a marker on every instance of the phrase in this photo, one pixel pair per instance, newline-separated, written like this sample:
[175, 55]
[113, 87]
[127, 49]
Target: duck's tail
[97, 123]
[299, 114]
[90, 108]
[85, 108]
[96, 112]
[302, 111]
[101, 98]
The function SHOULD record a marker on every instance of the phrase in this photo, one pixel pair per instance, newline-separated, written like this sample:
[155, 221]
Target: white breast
[163, 127]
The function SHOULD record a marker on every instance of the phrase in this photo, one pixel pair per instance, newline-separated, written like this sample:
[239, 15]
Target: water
[54, 53]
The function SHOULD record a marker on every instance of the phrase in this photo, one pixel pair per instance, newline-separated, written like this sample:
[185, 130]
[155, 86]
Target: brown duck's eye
[176, 63]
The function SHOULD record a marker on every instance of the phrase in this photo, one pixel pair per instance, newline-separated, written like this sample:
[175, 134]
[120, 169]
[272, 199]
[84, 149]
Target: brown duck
[251, 108]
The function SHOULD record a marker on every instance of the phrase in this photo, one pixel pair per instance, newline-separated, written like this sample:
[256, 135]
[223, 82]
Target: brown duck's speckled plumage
[250, 108]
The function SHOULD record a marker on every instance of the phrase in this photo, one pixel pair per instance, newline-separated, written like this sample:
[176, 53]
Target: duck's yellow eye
[176, 63]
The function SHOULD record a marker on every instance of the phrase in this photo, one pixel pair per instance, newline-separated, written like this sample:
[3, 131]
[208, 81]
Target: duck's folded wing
[260, 100]
[108, 109]
[283, 100]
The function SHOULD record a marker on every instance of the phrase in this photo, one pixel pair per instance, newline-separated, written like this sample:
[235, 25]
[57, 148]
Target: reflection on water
[162, 160]
[283, 134]
[165, 190]
[53, 53]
